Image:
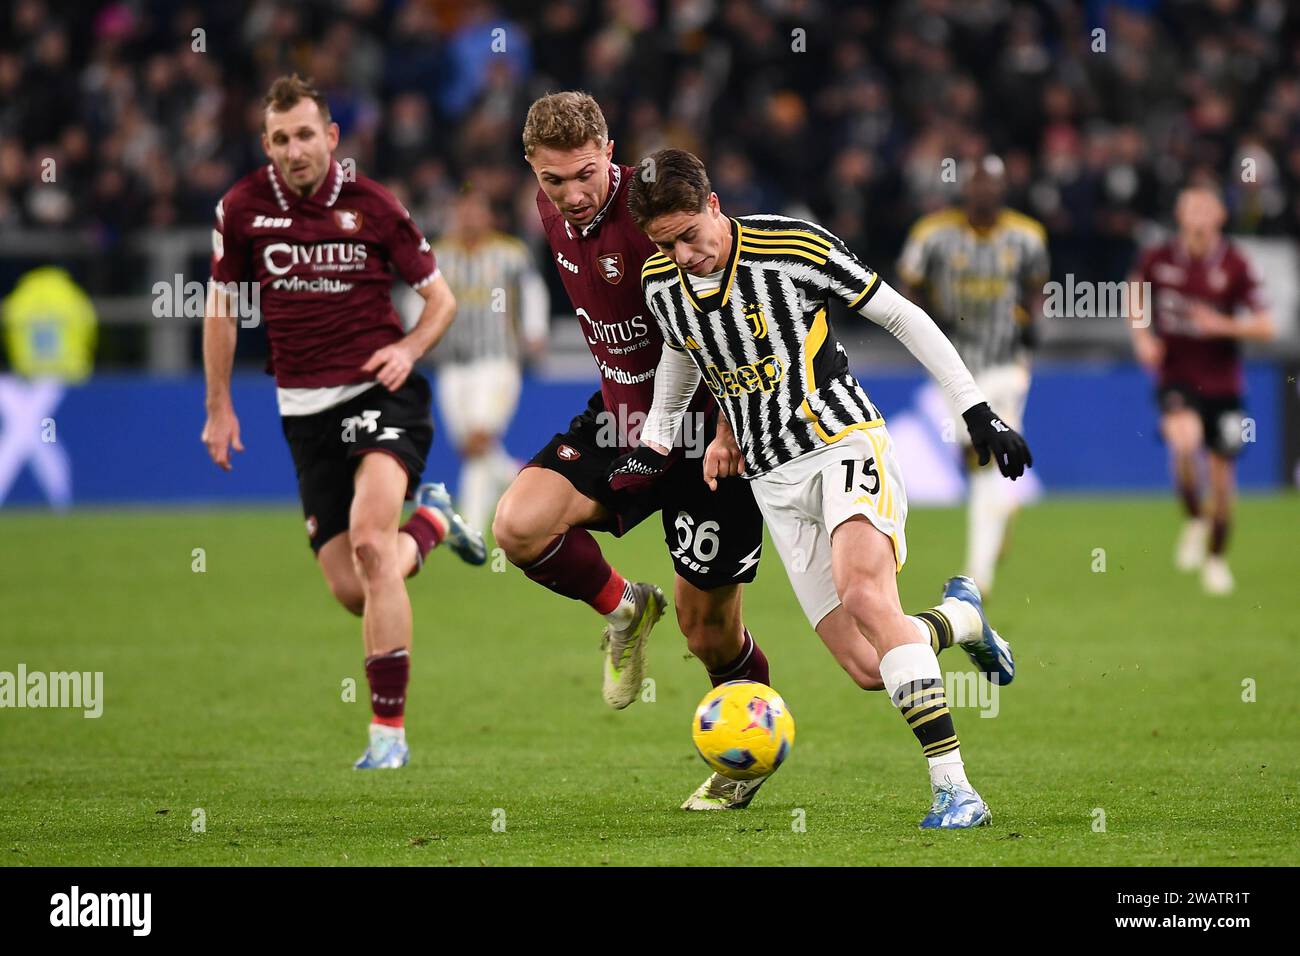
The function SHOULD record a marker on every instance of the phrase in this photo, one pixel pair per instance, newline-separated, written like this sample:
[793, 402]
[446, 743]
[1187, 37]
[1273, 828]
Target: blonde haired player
[979, 269]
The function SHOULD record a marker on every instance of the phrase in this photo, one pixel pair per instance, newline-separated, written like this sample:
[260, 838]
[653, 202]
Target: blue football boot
[956, 807]
[989, 651]
[465, 541]
[387, 750]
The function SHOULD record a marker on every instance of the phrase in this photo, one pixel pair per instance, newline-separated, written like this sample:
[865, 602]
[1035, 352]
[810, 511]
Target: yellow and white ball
[743, 729]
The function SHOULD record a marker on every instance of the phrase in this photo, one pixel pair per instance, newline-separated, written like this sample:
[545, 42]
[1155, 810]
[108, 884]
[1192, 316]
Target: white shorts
[479, 396]
[1006, 387]
[805, 500]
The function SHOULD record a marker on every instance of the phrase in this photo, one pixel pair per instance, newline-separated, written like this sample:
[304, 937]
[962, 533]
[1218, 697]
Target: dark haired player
[321, 245]
[742, 306]
[1200, 283]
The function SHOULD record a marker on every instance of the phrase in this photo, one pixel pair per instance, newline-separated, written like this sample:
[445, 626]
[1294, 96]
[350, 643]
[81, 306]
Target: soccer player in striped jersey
[742, 305]
[979, 269]
[502, 315]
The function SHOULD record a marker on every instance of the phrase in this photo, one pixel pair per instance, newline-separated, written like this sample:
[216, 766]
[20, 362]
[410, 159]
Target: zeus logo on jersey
[270, 222]
[761, 375]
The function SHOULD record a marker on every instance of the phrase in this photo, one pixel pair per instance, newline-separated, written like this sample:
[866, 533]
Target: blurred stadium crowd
[841, 111]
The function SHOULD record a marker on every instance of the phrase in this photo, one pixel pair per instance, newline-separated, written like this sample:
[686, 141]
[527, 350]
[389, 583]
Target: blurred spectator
[851, 111]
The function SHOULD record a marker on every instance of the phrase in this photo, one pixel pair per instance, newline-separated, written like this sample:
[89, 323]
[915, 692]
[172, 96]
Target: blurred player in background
[1200, 283]
[354, 412]
[502, 308]
[713, 529]
[979, 269]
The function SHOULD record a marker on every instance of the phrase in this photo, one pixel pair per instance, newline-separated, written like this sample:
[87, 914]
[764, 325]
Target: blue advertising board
[135, 439]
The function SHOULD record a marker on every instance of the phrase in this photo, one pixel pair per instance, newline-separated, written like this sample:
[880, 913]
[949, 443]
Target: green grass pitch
[224, 693]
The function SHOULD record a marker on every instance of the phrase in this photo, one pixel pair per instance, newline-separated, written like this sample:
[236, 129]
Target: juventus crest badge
[757, 320]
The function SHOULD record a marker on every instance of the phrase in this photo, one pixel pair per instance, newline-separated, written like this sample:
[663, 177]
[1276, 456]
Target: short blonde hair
[567, 120]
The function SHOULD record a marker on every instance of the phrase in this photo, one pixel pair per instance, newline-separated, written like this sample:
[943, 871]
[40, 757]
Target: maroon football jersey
[1223, 280]
[323, 264]
[600, 266]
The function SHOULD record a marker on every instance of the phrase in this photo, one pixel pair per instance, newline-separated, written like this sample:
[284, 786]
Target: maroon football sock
[1191, 499]
[1219, 535]
[572, 565]
[388, 675]
[428, 534]
[749, 664]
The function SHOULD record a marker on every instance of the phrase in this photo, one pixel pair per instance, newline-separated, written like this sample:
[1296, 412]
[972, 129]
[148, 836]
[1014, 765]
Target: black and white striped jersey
[762, 340]
[500, 299]
[975, 279]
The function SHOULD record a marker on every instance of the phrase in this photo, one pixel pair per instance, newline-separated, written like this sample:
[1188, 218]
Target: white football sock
[476, 491]
[504, 465]
[966, 622]
[962, 616]
[912, 662]
[623, 615]
[949, 767]
[990, 508]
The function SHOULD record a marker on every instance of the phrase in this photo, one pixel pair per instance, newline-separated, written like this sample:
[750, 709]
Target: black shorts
[1222, 416]
[715, 537]
[327, 446]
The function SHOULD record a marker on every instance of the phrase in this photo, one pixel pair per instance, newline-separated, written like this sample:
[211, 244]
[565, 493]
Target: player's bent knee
[520, 539]
[372, 556]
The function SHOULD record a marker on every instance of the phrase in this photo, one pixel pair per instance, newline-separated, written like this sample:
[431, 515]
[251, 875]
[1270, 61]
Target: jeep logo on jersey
[567, 453]
[611, 267]
[349, 220]
[280, 257]
[761, 375]
[754, 313]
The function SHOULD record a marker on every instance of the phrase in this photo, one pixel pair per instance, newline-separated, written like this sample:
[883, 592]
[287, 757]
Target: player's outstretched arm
[676, 379]
[393, 363]
[221, 429]
[909, 323]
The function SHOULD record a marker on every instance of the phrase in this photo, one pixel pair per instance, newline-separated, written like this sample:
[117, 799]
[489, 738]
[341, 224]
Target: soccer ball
[743, 729]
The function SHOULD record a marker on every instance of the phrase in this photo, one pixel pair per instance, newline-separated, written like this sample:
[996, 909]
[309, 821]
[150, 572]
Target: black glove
[989, 435]
[638, 471]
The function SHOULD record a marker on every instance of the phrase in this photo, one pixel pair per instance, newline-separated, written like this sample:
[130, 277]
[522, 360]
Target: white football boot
[387, 750]
[1216, 578]
[625, 647]
[1192, 545]
[723, 793]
